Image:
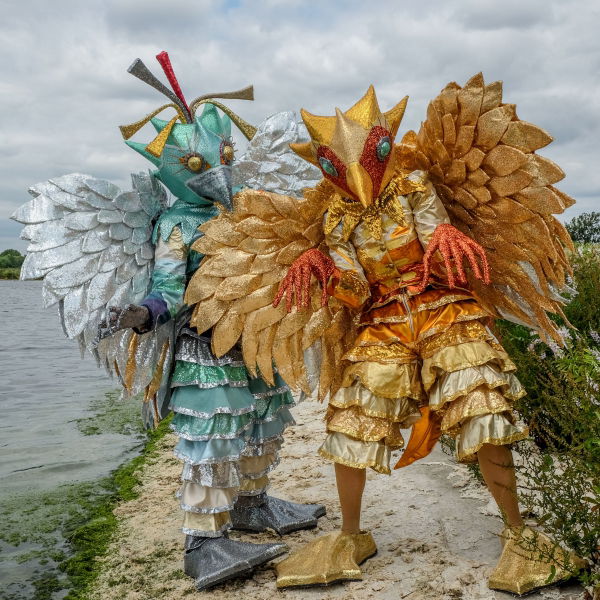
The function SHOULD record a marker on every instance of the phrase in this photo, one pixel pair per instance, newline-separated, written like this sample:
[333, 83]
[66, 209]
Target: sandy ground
[436, 531]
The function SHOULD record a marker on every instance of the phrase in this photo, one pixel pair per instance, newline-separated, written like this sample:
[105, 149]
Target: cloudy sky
[64, 85]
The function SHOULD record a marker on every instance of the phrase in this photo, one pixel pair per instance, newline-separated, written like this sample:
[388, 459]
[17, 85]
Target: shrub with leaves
[585, 228]
[559, 474]
[10, 264]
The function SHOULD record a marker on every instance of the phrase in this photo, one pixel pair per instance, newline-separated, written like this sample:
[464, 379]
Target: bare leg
[497, 468]
[350, 485]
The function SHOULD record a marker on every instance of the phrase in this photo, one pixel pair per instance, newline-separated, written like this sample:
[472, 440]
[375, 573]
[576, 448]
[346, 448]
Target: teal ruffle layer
[217, 450]
[227, 425]
[220, 410]
[203, 376]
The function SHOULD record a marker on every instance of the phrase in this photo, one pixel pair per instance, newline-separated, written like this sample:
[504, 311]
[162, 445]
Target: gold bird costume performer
[416, 248]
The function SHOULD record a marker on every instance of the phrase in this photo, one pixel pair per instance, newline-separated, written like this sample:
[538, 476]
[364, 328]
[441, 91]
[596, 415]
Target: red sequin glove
[297, 281]
[454, 246]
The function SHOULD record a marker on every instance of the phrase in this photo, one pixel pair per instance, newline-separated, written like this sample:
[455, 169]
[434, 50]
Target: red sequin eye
[332, 167]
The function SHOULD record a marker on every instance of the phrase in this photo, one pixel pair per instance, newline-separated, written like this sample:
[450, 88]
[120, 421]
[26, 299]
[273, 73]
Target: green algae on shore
[113, 414]
[58, 535]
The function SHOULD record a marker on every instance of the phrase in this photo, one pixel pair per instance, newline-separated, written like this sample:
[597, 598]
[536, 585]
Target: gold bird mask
[354, 149]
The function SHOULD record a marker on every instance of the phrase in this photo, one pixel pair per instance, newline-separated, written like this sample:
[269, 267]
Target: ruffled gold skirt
[433, 350]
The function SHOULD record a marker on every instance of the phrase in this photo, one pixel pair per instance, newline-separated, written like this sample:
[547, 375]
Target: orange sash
[425, 434]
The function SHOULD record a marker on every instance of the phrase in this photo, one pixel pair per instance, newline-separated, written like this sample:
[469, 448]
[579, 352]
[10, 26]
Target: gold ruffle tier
[353, 423]
[475, 403]
[397, 410]
[452, 385]
[207, 525]
[253, 467]
[494, 429]
[391, 381]
[203, 499]
[393, 323]
[345, 450]
[463, 356]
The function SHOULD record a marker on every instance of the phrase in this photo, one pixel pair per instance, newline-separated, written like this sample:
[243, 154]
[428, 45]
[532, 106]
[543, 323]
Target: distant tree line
[585, 228]
[10, 264]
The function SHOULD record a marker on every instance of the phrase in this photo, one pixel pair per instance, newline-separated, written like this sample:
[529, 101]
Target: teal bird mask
[193, 157]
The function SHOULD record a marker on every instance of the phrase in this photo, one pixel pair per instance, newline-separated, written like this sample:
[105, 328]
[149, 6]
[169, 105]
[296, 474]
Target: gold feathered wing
[248, 253]
[481, 158]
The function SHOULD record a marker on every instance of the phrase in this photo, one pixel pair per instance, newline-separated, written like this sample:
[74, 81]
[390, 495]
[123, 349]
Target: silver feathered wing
[91, 244]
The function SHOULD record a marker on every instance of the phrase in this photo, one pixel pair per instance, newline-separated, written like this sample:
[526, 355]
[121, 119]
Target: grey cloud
[509, 14]
[65, 89]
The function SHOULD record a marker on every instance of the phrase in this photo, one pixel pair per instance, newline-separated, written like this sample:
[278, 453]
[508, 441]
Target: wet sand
[436, 530]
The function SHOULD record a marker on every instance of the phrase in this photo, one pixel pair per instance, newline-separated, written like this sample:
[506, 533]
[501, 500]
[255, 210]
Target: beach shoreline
[436, 530]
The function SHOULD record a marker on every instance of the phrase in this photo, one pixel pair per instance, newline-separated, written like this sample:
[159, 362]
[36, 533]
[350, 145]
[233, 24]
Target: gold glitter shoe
[525, 566]
[330, 558]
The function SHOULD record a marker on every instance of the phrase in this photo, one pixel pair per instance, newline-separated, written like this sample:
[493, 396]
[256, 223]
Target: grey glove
[128, 317]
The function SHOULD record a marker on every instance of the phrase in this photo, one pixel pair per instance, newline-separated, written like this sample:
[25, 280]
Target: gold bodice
[370, 267]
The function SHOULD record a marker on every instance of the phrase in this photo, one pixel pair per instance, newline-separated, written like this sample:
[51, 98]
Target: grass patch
[10, 273]
[110, 414]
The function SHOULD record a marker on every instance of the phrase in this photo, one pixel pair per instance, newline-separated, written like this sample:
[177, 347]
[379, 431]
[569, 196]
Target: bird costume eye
[194, 162]
[384, 147]
[327, 166]
[227, 152]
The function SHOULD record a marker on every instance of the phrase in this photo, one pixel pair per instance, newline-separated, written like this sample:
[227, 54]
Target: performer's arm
[168, 280]
[428, 213]
[445, 246]
[340, 275]
[348, 282]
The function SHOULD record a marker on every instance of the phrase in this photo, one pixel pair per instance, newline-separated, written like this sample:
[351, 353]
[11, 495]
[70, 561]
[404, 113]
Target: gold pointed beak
[360, 184]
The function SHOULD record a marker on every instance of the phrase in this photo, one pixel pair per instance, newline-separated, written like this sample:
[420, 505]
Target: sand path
[435, 529]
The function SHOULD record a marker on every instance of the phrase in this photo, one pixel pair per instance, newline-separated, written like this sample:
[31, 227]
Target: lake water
[49, 397]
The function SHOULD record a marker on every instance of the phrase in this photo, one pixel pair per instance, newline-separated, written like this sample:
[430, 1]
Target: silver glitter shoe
[211, 561]
[259, 513]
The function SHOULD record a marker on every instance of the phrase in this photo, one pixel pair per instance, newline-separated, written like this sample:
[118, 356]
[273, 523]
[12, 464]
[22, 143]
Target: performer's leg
[257, 511]
[497, 468]
[350, 486]
[363, 429]
[336, 556]
[474, 403]
[210, 556]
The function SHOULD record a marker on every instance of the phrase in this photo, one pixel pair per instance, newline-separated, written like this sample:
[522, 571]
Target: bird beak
[214, 184]
[360, 184]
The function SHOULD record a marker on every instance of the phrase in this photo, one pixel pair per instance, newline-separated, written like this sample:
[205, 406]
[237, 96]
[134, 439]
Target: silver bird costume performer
[118, 264]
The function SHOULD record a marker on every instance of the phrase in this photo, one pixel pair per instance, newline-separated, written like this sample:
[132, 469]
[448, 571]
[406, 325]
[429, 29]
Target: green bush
[9, 273]
[585, 228]
[11, 259]
[560, 472]
[10, 264]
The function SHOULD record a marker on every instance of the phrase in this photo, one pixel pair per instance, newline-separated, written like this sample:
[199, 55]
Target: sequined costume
[405, 339]
[120, 281]
[413, 348]
[229, 424]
